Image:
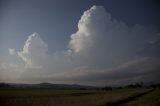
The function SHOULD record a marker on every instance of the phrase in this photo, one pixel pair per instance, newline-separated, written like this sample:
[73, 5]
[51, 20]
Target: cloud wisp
[102, 51]
[11, 51]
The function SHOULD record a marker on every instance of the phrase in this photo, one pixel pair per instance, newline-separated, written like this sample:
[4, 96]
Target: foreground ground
[49, 97]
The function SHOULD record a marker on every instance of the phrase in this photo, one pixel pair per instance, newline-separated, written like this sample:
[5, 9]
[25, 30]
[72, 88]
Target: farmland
[50, 97]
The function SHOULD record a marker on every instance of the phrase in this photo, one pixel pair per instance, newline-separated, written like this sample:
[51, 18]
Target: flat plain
[51, 97]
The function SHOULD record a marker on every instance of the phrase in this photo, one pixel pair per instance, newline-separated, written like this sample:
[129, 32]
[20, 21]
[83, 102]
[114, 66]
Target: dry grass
[63, 98]
[151, 99]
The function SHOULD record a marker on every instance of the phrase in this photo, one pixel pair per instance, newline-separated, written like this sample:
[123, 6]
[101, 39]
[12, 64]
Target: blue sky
[56, 21]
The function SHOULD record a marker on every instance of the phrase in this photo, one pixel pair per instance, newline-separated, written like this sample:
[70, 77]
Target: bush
[107, 88]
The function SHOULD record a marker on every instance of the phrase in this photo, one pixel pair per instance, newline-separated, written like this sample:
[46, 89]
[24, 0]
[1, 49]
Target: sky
[92, 42]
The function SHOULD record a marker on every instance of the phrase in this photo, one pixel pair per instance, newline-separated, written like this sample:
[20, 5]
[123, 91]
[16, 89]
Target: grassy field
[151, 99]
[49, 97]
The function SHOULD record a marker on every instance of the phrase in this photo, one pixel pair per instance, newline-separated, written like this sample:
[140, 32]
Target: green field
[49, 97]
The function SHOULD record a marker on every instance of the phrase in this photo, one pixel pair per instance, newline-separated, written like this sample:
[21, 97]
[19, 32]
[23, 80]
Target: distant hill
[46, 85]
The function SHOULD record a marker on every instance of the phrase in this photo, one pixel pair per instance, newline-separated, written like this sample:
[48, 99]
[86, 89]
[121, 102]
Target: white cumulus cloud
[33, 49]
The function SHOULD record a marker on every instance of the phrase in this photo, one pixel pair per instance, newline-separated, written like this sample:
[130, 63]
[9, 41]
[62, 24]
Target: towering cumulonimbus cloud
[103, 50]
[105, 40]
[91, 24]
